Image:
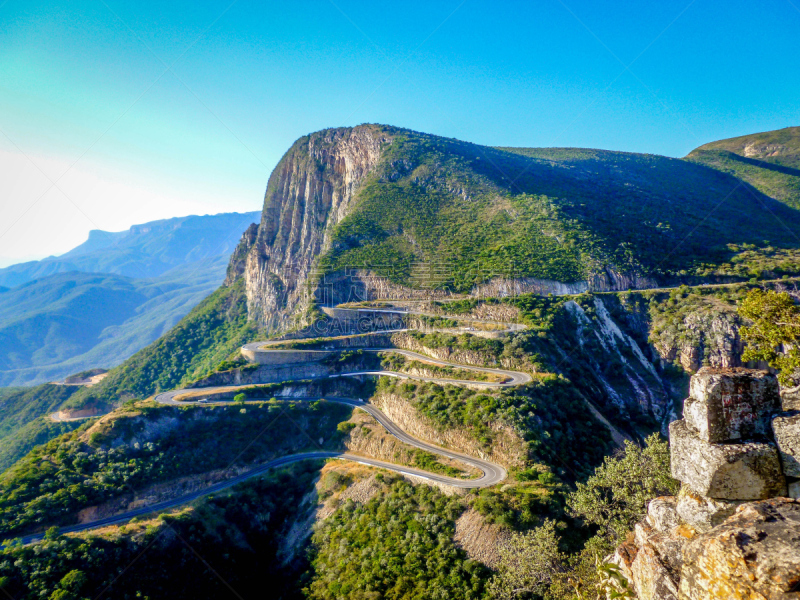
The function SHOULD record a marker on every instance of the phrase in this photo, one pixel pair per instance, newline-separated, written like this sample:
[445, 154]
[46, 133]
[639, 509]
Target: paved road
[492, 473]
[514, 378]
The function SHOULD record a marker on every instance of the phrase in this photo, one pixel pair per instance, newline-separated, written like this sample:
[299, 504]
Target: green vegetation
[24, 420]
[547, 561]
[399, 363]
[549, 415]
[775, 332]
[521, 506]
[780, 147]
[780, 183]
[616, 496]
[397, 545]
[430, 462]
[147, 444]
[228, 545]
[465, 341]
[439, 213]
[208, 335]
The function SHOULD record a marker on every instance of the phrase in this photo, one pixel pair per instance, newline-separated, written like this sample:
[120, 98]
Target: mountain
[422, 212]
[146, 250]
[770, 162]
[514, 235]
[780, 147]
[65, 322]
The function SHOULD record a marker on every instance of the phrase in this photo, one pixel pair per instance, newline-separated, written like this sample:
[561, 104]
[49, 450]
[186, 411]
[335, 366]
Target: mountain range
[604, 279]
[101, 302]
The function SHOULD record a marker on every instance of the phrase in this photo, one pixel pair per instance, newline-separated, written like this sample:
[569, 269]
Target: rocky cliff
[381, 212]
[309, 192]
[731, 532]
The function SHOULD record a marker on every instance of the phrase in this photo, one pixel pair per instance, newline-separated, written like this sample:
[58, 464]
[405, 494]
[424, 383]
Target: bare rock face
[731, 404]
[794, 489]
[651, 578]
[662, 513]
[787, 436]
[750, 471]
[790, 398]
[753, 554]
[702, 513]
[309, 192]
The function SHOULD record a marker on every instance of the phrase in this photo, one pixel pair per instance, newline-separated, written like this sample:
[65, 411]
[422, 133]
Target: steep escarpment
[309, 192]
[381, 212]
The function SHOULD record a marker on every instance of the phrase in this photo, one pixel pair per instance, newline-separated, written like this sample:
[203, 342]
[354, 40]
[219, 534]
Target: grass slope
[779, 147]
[770, 162]
[23, 420]
[563, 214]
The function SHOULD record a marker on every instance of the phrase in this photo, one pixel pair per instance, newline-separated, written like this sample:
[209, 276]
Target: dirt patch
[479, 539]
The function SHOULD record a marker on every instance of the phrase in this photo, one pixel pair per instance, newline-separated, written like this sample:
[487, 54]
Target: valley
[423, 344]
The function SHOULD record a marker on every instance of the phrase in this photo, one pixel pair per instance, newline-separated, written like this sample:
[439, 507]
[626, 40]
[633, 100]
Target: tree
[528, 563]
[239, 398]
[774, 336]
[616, 496]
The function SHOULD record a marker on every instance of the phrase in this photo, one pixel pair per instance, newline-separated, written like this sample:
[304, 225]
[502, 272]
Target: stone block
[786, 428]
[731, 404]
[753, 554]
[662, 514]
[790, 398]
[702, 513]
[749, 471]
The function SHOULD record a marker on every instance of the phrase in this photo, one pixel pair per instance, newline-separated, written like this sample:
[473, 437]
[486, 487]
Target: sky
[115, 113]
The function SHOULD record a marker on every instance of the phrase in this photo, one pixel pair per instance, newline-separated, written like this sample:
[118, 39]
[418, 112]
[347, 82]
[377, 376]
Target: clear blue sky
[144, 110]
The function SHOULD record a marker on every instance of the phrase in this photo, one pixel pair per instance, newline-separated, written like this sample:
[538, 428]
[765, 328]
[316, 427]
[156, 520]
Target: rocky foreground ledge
[733, 531]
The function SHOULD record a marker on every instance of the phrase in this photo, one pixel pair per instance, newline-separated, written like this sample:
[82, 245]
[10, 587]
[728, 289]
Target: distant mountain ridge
[92, 307]
[145, 250]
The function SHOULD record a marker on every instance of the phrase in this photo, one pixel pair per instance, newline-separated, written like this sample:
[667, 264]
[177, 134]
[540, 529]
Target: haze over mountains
[111, 296]
[486, 235]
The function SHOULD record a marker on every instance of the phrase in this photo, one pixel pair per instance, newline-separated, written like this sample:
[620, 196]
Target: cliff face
[309, 192]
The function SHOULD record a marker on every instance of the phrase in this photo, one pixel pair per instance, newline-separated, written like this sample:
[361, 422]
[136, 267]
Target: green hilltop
[770, 162]
[553, 213]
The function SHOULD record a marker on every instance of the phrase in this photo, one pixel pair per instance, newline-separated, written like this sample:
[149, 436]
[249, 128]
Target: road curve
[492, 473]
[255, 472]
[514, 378]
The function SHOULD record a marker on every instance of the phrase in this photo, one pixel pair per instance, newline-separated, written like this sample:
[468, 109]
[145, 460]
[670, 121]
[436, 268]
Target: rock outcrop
[308, 193]
[731, 532]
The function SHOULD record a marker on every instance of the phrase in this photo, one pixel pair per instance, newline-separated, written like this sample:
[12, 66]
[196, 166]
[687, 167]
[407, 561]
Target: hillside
[143, 251]
[377, 212]
[427, 212]
[66, 322]
[779, 147]
[770, 162]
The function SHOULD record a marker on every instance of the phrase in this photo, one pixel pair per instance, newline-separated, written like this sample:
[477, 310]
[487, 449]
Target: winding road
[491, 473]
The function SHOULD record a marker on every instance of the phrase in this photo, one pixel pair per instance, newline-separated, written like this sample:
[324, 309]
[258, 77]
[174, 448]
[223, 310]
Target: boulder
[662, 513]
[754, 554]
[790, 398]
[786, 428]
[731, 404]
[651, 578]
[702, 513]
[749, 471]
